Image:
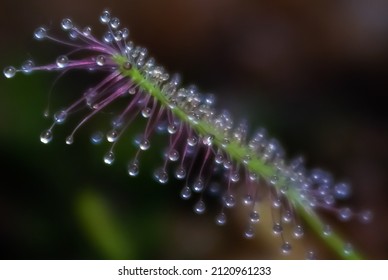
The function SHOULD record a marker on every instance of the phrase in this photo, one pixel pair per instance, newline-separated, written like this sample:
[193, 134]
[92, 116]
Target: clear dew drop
[348, 249]
[298, 231]
[198, 185]
[200, 207]
[173, 155]
[253, 177]
[46, 136]
[100, 60]
[172, 128]
[69, 140]
[286, 248]
[180, 173]
[342, 190]
[247, 200]
[229, 200]
[287, 216]
[9, 72]
[66, 24]
[192, 141]
[249, 232]
[109, 158]
[144, 144]
[146, 112]
[221, 219]
[87, 31]
[97, 137]
[105, 16]
[235, 177]
[161, 176]
[276, 203]
[112, 136]
[60, 117]
[114, 23]
[228, 164]
[27, 66]
[62, 61]
[108, 37]
[133, 169]
[40, 33]
[219, 158]
[185, 193]
[366, 216]
[327, 230]
[277, 229]
[345, 214]
[254, 217]
[311, 255]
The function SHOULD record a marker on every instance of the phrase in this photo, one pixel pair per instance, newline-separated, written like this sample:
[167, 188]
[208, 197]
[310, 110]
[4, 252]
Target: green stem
[237, 152]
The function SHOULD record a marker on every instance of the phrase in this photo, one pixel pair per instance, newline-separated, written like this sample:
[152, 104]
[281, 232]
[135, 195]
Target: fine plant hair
[207, 151]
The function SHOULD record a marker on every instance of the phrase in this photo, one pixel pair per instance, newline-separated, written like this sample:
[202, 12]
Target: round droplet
[109, 158]
[62, 61]
[133, 169]
[221, 219]
[253, 176]
[112, 136]
[40, 33]
[327, 230]
[100, 60]
[311, 255]
[46, 136]
[9, 71]
[250, 232]
[274, 179]
[66, 24]
[69, 140]
[254, 217]
[146, 112]
[345, 214]
[87, 31]
[144, 144]
[342, 190]
[173, 155]
[108, 37]
[185, 193]
[161, 176]
[286, 248]
[276, 203]
[208, 140]
[172, 128]
[298, 231]
[27, 66]
[348, 249]
[247, 200]
[105, 16]
[200, 207]
[125, 32]
[180, 173]
[114, 22]
[366, 216]
[235, 177]
[219, 158]
[228, 164]
[198, 185]
[60, 117]
[192, 141]
[97, 137]
[287, 216]
[277, 229]
[229, 201]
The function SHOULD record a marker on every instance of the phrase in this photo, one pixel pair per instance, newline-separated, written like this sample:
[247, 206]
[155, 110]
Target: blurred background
[314, 73]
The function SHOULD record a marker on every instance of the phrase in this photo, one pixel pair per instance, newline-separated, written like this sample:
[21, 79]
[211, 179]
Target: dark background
[314, 73]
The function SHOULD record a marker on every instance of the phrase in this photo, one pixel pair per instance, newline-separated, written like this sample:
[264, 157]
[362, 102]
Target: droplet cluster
[208, 151]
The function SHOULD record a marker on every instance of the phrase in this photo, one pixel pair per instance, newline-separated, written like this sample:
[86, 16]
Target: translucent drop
[172, 128]
[60, 117]
[366, 216]
[208, 140]
[234, 177]
[161, 176]
[146, 112]
[87, 31]
[62, 61]
[46, 136]
[114, 22]
[66, 24]
[342, 190]
[125, 32]
[273, 180]
[198, 185]
[100, 60]
[97, 137]
[133, 169]
[69, 140]
[185, 193]
[254, 217]
[144, 144]
[105, 16]
[221, 219]
[253, 176]
[112, 136]
[109, 158]
[348, 248]
[250, 232]
[311, 255]
[9, 71]
[192, 141]
[327, 230]
[286, 248]
[199, 207]
[298, 231]
[132, 91]
[276, 203]
[329, 200]
[345, 214]
[247, 200]
[229, 201]
[228, 164]
[173, 155]
[40, 33]
[287, 216]
[108, 37]
[27, 66]
[277, 229]
[219, 159]
[73, 34]
[180, 173]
